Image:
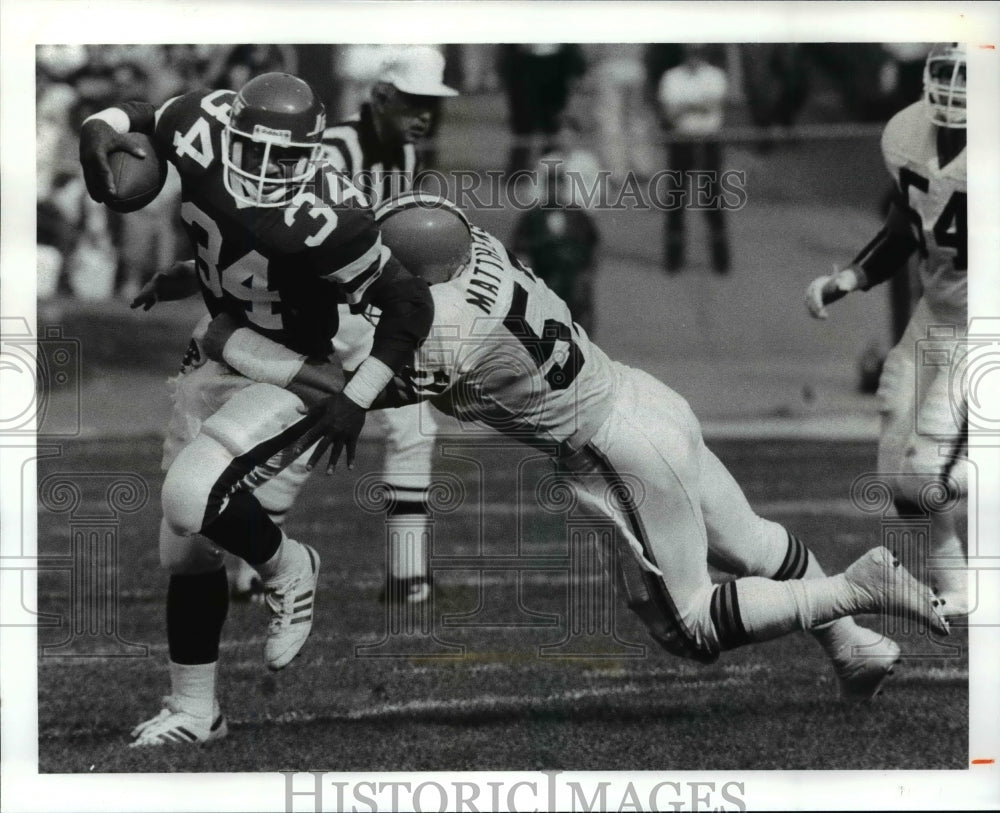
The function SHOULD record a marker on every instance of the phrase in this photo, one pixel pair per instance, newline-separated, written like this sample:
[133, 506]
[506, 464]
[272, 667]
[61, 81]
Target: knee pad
[188, 485]
[187, 555]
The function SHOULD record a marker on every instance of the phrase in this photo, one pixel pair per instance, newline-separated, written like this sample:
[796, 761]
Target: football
[137, 180]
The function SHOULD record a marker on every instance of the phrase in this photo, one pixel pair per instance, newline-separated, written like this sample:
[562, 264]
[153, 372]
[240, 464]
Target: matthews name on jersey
[935, 198]
[270, 267]
[504, 352]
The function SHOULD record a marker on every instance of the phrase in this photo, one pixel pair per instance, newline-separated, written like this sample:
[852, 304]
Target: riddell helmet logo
[270, 134]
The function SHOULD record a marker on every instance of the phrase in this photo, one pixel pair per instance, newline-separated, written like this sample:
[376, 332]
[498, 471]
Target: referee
[376, 150]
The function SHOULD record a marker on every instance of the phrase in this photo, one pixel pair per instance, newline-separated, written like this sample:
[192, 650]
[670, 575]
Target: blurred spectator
[692, 97]
[244, 62]
[538, 79]
[477, 67]
[557, 237]
[775, 82]
[147, 240]
[617, 106]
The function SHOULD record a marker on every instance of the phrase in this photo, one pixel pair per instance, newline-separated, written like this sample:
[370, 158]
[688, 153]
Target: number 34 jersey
[504, 352]
[280, 270]
[936, 201]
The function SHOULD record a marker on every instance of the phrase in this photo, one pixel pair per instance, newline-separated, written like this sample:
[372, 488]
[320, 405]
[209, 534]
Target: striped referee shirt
[381, 171]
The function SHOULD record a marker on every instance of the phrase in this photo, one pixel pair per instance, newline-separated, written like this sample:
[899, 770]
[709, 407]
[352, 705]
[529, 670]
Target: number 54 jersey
[280, 270]
[935, 197]
[504, 352]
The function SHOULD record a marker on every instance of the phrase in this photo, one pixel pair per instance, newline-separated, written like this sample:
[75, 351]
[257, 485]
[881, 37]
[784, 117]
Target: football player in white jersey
[503, 352]
[922, 444]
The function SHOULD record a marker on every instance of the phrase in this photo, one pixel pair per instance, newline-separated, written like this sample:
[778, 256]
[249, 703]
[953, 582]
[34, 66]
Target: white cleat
[884, 585]
[863, 664]
[290, 602]
[175, 726]
[953, 589]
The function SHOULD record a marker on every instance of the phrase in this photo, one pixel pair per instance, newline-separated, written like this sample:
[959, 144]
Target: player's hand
[147, 296]
[98, 140]
[217, 334]
[317, 380]
[829, 288]
[339, 425]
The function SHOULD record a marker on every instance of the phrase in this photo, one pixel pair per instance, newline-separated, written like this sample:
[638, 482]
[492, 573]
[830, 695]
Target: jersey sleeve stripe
[163, 107]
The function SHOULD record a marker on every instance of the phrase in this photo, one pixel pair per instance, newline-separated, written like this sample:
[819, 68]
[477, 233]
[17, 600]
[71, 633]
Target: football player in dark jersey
[280, 241]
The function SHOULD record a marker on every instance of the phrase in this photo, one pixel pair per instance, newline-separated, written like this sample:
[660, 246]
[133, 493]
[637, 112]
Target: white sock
[832, 635]
[769, 609]
[194, 687]
[286, 560]
[409, 535]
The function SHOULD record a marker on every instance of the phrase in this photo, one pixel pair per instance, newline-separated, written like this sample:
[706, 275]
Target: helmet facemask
[944, 85]
[266, 167]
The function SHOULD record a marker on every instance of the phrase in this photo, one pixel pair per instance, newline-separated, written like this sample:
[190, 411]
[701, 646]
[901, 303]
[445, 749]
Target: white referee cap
[417, 69]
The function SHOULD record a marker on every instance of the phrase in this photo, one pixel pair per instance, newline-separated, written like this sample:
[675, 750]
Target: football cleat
[290, 602]
[953, 589]
[174, 725]
[413, 590]
[862, 665]
[883, 585]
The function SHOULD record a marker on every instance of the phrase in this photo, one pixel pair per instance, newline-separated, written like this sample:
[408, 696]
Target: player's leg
[652, 438]
[208, 489]
[410, 435]
[744, 544]
[197, 602]
[276, 496]
[922, 454]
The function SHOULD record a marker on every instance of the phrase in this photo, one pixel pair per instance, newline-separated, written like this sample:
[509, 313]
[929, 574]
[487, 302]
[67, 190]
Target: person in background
[692, 96]
[558, 239]
[538, 79]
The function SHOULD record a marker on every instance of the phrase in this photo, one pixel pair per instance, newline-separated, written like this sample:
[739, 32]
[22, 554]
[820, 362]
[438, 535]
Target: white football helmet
[944, 84]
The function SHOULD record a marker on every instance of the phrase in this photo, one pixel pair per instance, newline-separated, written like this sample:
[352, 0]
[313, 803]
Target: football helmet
[271, 143]
[944, 84]
[428, 234]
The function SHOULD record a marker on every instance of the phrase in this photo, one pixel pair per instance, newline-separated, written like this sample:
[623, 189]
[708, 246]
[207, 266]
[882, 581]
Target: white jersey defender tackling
[503, 352]
[923, 437]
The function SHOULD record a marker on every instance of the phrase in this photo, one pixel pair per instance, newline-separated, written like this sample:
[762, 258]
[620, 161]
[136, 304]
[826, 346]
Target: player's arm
[262, 359]
[882, 258]
[108, 131]
[177, 282]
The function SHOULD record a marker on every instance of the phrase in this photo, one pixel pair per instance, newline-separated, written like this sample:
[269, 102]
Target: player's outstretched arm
[882, 258]
[177, 282]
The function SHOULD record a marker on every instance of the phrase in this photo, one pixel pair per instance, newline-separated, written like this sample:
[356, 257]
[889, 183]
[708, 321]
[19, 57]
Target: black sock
[196, 610]
[245, 530]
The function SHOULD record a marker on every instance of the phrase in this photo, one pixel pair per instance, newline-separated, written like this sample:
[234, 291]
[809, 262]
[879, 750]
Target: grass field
[496, 700]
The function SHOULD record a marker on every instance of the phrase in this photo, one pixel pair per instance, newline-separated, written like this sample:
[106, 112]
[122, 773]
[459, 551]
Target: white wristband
[369, 380]
[113, 116]
[261, 359]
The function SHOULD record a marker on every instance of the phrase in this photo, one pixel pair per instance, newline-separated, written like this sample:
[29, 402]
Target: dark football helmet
[944, 84]
[270, 146]
[428, 234]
